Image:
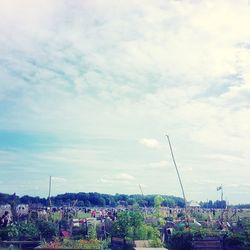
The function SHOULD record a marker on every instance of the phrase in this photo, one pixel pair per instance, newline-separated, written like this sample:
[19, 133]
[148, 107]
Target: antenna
[177, 171]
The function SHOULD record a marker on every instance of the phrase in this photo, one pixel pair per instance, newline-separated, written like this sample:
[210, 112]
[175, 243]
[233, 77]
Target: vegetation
[75, 244]
[131, 226]
[29, 231]
[216, 204]
[93, 199]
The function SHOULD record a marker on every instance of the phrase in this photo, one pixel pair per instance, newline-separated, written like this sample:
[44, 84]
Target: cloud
[159, 164]
[120, 71]
[150, 143]
[121, 177]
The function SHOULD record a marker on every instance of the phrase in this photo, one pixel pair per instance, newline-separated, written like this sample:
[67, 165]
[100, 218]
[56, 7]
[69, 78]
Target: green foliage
[127, 224]
[157, 201]
[156, 243]
[131, 226]
[199, 216]
[72, 244]
[169, 202]
[27, 231]
[47, 229]
[93, 199]
[20, 231]
[9, 233]
[106, 243]
[92, 232]
[79, 232]
[182, 238]
[157, 204]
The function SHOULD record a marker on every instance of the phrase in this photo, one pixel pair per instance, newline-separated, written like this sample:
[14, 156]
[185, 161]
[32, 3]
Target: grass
[81, 215]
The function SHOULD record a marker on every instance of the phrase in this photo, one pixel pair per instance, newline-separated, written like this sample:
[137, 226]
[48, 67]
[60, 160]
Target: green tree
[157, 204]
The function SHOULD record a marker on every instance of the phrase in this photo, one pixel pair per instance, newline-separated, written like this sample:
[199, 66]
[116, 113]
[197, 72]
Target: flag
[219, 188]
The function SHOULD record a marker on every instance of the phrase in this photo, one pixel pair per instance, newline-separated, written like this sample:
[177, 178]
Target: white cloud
[118, 178]
[123, 70]
[150, 143]
[159, 164]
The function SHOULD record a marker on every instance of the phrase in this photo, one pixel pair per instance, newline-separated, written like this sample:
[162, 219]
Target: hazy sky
[88, 90]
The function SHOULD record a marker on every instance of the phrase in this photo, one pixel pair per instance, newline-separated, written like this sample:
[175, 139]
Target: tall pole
[177, 171]
[221, 192]
[142, 197]
[141, 190]
[222, 210]
[50, 179]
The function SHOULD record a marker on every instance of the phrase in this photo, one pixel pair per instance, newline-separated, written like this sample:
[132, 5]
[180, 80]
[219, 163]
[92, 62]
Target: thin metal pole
[49, 191]
[177, 171]
[221, 192]
[143, 201]
[222, 209]
[141, 190]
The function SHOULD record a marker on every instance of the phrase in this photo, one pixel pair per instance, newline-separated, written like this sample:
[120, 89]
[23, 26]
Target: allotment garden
[124, 227]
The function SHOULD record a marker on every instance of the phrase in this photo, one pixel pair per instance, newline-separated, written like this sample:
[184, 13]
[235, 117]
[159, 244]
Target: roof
[193, 204]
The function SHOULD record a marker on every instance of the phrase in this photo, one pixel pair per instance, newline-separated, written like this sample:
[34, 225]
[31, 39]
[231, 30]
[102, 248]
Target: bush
[75, 244]
[27, 231]
[92, 232]
[156, 243]
[9, 233]
[47, 229]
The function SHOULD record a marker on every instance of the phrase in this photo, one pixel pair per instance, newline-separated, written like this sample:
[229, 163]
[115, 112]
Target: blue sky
[88, 90]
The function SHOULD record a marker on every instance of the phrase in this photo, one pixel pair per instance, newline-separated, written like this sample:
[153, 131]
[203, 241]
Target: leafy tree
[131, 225]
[168, 202]
[157, 204]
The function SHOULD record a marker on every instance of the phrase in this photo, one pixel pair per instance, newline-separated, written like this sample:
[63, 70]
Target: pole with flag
[220, 188]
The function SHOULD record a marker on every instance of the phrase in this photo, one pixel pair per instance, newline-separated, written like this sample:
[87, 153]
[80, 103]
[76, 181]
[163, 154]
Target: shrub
[47, 229]
[27, 231]
[9, 233]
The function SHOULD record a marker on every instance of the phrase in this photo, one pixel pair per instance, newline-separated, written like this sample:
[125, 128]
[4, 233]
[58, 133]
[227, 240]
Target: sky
[89, 89]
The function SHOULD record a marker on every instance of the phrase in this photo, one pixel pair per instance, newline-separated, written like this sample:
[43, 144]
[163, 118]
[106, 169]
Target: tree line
[214, 204]
[91, 199]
